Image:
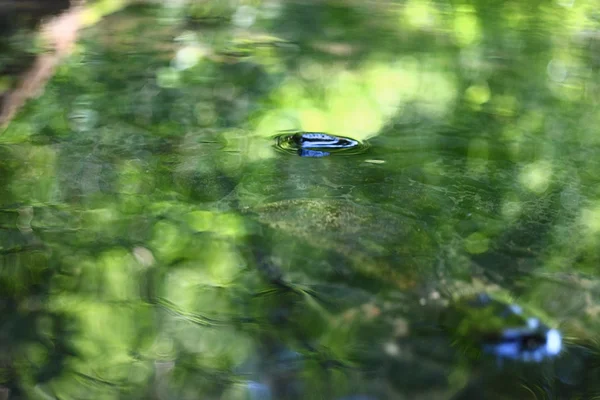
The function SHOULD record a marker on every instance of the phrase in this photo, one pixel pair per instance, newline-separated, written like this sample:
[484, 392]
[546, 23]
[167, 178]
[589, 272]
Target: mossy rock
[376, 242]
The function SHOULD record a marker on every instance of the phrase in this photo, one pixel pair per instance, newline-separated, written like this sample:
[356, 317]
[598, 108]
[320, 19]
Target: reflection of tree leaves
[194, 318]
[166, 144]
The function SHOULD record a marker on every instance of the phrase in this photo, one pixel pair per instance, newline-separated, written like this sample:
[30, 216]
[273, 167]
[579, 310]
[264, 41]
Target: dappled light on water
[292, 199]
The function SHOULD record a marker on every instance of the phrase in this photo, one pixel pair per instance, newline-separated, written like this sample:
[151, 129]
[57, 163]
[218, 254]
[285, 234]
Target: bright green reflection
[153, 244]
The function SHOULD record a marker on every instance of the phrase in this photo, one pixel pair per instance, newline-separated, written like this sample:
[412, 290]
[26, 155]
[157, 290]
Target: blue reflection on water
[312, 153]
[258, 391]
[532, 342]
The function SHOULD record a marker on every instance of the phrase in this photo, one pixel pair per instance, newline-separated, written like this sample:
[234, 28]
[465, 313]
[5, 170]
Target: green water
[154, 243]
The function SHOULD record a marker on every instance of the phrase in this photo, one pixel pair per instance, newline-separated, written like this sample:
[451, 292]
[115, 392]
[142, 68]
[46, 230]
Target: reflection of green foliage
[125, 252]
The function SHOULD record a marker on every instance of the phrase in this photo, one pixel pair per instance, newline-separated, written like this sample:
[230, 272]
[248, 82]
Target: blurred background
[155, 243]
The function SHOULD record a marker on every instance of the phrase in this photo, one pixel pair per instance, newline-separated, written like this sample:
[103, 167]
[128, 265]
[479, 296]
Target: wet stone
[317, 144]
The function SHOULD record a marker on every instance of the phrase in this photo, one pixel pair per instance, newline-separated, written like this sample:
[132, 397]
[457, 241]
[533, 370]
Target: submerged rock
[384, 245]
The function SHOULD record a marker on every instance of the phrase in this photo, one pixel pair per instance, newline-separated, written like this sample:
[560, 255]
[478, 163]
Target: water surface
[154, 243]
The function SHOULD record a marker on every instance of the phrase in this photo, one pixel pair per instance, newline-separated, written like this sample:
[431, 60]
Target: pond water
[157, 243]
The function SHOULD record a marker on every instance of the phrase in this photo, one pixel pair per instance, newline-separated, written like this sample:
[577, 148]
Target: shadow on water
[155, 243]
